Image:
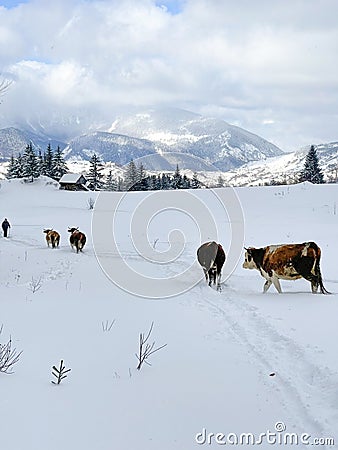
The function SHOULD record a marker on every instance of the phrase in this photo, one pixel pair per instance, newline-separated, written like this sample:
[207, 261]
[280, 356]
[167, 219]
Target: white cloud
[243, 61]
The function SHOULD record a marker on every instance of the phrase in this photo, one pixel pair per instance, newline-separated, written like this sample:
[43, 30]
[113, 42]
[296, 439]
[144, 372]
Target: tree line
[51, 163]
[137, 179]
[30, 165]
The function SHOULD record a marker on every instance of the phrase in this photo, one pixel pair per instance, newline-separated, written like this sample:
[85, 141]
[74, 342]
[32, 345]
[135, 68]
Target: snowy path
[305, 388]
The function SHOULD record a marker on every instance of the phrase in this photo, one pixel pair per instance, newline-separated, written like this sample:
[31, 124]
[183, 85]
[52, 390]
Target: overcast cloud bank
[269, 68]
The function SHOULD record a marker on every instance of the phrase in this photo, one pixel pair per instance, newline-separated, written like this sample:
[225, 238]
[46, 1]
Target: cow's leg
[314, 286]
[206, 274]
[214, 275]
[219, 275]
[267, 284]
[276, 283]
[219, 288]
[209, 277]
[306, 267]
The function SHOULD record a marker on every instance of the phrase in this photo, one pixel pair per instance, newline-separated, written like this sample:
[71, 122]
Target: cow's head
[71, 230]
[249, 262]
[48, 230]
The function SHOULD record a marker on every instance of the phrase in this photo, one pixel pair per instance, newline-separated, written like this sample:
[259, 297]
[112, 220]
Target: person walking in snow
[5, 226]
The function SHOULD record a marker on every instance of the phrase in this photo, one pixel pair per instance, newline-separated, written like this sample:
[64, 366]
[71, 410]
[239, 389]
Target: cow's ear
[245, 249]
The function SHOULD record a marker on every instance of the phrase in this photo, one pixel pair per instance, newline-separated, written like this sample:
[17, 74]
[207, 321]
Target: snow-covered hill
[236, 361]
[284, 168]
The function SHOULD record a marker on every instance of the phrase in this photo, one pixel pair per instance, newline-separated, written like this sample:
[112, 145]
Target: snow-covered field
[236, 361]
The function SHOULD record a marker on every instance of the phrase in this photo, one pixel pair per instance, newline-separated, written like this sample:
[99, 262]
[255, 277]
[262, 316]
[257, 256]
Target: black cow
[77, 239]
[211, 257]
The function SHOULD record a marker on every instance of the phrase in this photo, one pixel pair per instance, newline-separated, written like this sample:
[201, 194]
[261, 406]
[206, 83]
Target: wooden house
[73, 182]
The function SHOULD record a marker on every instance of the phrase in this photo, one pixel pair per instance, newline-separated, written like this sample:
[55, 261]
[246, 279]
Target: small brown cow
[52, 237]
[287, 262]
[211, 257]
[77, 238]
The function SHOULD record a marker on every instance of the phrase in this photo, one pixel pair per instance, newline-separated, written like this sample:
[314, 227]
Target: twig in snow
[8, 356]
[146, 349]
[106, 326]
[60, 373]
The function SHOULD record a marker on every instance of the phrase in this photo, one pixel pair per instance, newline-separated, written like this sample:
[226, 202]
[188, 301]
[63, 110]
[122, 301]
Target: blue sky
[268, 67]
[173, 6]
[11, 3]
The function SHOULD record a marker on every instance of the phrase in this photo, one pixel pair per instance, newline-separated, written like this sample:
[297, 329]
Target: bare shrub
[8, 356]
[35, 284]
[146, 349]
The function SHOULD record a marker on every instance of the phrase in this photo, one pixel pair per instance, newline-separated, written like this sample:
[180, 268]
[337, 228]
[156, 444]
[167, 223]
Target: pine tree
[30, 163]
[131, 177]
[18, 167]
[186, 183]
[59, 166]
[48, 161]
[11, 169]
[41, 162]
[110, 183]
[220, 182]
[95, 176]
[312, 171]
[176, 182]
[143, 179]
[152, 185]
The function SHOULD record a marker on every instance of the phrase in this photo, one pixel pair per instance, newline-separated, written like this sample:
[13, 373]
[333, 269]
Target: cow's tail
[316, 269]
[52, 238]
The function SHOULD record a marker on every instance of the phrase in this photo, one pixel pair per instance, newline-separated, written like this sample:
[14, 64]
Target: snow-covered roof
[70, 178]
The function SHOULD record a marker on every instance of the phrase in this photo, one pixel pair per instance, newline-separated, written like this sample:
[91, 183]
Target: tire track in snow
[309, 390]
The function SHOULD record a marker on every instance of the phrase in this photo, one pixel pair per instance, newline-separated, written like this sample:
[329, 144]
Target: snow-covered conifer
[59, 166]
[30, 163]
[312, 171]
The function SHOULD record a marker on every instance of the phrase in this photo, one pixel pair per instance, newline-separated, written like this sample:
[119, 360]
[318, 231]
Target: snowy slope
[214, 373]
[285, 167]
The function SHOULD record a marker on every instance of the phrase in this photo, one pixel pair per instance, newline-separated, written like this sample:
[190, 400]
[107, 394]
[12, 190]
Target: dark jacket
[5, 224]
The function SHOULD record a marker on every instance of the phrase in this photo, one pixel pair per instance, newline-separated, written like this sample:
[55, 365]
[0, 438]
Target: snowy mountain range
[163, 138]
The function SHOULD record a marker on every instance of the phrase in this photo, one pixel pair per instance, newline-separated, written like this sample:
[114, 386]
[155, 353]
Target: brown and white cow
[77, 239]
[287, 262]
[52, 237]
[211, 257]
